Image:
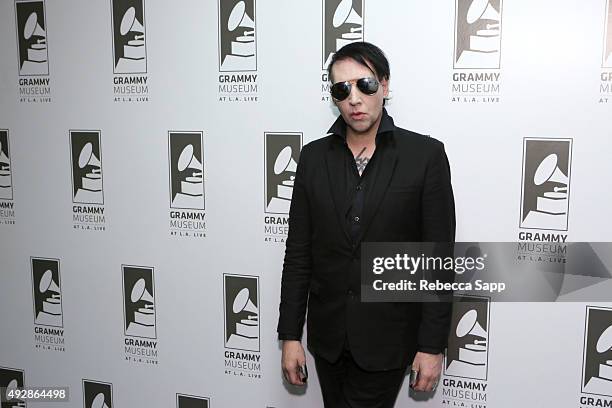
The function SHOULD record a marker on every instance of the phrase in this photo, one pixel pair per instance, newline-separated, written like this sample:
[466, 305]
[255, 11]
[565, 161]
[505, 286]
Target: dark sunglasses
[341, 90]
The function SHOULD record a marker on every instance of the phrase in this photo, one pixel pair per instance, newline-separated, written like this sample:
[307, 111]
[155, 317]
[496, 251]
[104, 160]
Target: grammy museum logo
[33, 57]
[545, 189]
[11, 379]
[596, 383]
[191, 401]
[281, 155]
[545, 193]
[130, 79]
[7, 205]
[87, 183]
[342, 24]
[605, 87]
[186, 162]
[237, 51]
[97, 394]
[467, 356]
[477, 51]
[241, 305]
[47, 298]
[140, 322]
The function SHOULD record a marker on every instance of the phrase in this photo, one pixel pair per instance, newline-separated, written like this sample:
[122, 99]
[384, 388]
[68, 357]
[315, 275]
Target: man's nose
[355, 96]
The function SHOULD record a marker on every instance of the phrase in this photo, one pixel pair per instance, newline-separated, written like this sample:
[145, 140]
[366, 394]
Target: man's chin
[360, 126]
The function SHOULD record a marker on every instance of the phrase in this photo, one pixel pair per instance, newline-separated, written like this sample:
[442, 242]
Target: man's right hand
[293, 357]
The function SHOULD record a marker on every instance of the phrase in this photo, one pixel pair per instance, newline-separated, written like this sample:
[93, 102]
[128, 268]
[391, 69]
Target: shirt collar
[339, 126]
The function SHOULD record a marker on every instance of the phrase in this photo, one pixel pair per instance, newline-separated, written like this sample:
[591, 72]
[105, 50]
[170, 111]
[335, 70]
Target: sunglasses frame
[350, 87]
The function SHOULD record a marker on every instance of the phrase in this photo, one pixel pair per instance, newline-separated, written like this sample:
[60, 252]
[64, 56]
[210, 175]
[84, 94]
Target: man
[367, 181]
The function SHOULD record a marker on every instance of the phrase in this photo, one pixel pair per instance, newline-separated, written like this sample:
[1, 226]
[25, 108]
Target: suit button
[350, 292]
[358, 188]
[356, 219]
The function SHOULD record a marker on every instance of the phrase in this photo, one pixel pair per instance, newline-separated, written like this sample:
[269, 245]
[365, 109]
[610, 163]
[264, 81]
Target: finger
[295, 379]
[414, 367]
[431, 384]
[287, 375]
[424, 381]
[292, 376]
[413, 378]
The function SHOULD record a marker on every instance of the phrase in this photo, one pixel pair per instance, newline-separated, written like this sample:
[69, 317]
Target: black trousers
[346, 385]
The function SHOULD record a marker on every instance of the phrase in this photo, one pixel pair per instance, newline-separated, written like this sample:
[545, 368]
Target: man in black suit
[366, 181]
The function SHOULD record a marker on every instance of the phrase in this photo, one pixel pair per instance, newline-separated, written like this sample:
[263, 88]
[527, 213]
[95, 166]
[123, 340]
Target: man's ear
[385, 85]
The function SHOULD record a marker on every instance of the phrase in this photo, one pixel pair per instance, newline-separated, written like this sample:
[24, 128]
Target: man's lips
[357, 115]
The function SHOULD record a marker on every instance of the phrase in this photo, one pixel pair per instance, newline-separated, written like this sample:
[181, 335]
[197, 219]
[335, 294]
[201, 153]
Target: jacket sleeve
[438, 226]
[297, 266]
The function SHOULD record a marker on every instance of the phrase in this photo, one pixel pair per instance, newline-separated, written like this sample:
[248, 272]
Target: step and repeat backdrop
[148, 151]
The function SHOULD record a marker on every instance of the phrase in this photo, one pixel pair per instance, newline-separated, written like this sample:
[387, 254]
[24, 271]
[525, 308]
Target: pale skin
[362, 114]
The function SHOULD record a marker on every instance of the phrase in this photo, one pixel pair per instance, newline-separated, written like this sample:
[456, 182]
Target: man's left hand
[429, 367]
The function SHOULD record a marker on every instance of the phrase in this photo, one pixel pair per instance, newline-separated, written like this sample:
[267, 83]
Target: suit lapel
[336, 172]
[379, 184]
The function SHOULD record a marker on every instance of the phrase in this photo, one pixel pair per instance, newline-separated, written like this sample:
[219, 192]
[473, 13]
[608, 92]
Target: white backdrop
[552, 58]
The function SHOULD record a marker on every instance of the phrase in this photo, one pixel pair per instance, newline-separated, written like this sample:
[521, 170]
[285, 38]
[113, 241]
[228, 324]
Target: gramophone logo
[11, 379]
[237, 36]
[607, 55]
[97, 394]
[342, 24]
[186, 170]
[139, 301]
[47, 297]
[241, 295]
[32, 38]
[86, 167]
[546, 183]
[47, 293]
[129, 48]
[6, 178]
[190, 401]
[468, 341]
[282, 153]
[597, 359]
[478, 34]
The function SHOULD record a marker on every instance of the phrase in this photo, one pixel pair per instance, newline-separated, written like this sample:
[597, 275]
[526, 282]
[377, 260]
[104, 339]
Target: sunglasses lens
[368, 86]
[340, 90]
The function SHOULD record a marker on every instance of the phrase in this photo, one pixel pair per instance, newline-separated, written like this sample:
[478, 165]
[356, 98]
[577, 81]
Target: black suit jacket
[411, 200]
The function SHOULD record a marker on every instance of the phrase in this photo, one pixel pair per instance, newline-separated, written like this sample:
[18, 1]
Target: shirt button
[356, 219]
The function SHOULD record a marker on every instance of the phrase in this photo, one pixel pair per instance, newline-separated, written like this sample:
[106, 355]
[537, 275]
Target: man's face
[361, 112]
